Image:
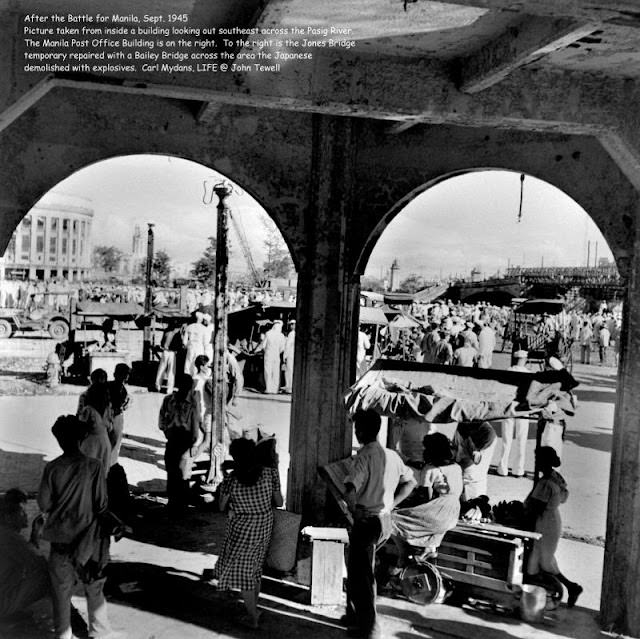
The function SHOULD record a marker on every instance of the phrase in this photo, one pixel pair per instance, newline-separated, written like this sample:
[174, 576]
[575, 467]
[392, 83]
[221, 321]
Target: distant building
[132, 264]
[393, 276]
[52, 240]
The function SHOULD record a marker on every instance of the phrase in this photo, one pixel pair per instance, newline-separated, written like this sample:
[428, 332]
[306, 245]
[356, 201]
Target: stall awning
[373, 315]
[452, 393]
[404, 320]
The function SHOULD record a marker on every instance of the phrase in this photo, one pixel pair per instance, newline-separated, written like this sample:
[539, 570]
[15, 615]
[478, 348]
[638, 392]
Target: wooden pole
[218, 372]
[148, 297]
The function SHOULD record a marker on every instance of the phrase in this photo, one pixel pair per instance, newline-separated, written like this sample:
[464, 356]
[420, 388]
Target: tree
[204, 269]
[107, 258]
[278, 262]
[368, 283]
[160, 268]
[412, 283]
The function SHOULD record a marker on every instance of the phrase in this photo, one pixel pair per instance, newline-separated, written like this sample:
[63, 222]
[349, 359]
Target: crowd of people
[414, 493]
[467, 334]
[55, 295]
[182, 343]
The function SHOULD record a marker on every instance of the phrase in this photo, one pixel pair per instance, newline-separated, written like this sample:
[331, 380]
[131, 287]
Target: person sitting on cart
[435, 503]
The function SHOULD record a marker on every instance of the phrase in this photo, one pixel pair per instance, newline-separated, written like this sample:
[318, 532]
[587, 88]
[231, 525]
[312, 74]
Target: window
[75, 226]
[65, 225]
[64, 246]
[26, 243]
[74, 246]
[82, 228]
[54, 223]
[26, 223]
[40, 224]
[53, 244]
[40, 244]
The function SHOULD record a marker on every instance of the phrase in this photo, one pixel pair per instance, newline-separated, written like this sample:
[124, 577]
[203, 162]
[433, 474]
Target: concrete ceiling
[542, 65]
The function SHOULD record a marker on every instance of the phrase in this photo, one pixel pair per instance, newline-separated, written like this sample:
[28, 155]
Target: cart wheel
[422, 584]
[6, 329]
[59, 329]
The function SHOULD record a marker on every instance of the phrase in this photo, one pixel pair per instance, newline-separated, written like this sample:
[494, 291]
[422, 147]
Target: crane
[244, 245]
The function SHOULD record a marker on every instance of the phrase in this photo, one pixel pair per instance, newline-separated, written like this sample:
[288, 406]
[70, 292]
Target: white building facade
[52, 241]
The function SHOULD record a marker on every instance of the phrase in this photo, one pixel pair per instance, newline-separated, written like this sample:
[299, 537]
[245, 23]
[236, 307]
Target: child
[73, 498]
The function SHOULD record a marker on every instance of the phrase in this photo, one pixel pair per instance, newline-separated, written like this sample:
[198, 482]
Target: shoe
[499, 472]
[574, 592]
[519, 476]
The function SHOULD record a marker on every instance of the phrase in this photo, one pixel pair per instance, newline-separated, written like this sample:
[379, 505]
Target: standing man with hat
[512, 425]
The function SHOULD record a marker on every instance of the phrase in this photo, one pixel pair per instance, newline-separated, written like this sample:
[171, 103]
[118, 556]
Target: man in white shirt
[379, 481]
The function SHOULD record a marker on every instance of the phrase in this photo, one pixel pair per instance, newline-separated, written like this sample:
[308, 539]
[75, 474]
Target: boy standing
[73, 496]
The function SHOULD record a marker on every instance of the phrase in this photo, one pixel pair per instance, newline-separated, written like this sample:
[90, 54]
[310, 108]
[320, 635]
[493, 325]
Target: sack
[281, 555]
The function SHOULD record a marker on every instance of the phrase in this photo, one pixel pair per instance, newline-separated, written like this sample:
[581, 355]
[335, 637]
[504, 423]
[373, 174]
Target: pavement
[157, 591]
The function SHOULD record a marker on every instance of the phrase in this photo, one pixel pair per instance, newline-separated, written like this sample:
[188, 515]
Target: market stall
[481, 558]
[116, 322]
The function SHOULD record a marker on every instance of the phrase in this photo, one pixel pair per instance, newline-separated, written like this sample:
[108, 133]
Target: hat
[199, 315]
[206, 316]
[521, 354]
[277, 322]
[555, 364]
[469, 324]
[292, 321]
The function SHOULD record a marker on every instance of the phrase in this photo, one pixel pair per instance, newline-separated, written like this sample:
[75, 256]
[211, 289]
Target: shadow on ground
[590, 439]
[195, 532]
[175, 594]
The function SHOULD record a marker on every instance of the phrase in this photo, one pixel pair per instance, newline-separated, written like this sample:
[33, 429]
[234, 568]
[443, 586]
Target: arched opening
[467, 248]
[85, 243]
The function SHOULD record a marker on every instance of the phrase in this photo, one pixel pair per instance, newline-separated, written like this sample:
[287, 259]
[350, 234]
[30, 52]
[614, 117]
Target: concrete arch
[35, 197]
[396, 171]
[621, 256]
[38, 151]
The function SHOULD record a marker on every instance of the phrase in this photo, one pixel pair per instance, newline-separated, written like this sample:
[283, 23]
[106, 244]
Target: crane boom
[244, 245]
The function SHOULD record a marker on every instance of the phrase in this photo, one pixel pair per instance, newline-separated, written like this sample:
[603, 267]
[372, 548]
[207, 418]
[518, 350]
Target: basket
[281, 555]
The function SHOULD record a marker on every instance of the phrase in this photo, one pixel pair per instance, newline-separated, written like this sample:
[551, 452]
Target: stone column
[327, 326]
[620, 607]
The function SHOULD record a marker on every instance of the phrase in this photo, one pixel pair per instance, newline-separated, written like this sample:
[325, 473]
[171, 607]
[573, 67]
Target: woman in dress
[438, 495]
[543, 504]
[250, 494]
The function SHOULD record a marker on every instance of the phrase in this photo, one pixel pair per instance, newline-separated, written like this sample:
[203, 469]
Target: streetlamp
[148, 296]
[221, 306]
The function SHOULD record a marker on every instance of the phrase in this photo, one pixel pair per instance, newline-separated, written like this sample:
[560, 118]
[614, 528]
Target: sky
[471, 221]
[466, 222]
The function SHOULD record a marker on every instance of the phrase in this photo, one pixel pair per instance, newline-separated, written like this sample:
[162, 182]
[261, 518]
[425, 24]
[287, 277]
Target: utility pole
[218, 372]
[588, 253]
[148, 296]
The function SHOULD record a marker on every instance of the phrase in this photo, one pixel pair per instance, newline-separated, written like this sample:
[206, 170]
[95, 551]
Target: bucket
[532, 603]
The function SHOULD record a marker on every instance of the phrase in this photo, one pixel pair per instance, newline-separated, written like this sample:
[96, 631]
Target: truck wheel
[5, 329]
[59, 329]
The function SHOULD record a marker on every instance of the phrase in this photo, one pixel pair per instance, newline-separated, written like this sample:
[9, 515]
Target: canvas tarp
[450, 393]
